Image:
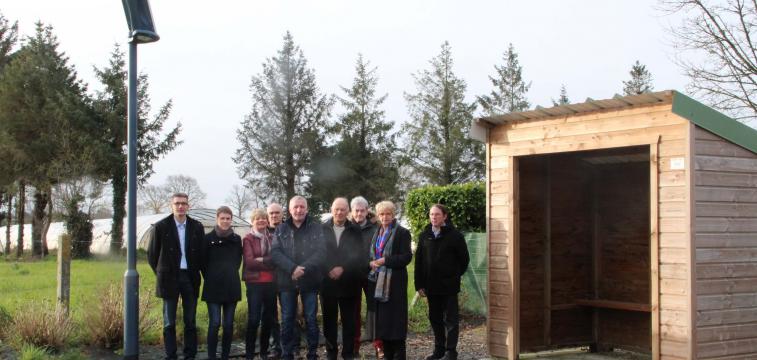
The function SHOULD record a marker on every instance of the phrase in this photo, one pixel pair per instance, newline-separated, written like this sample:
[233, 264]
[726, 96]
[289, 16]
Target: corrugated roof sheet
[591, 105]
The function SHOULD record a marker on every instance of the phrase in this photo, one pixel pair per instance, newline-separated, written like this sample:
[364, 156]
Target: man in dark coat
[175, 252]
[340, 291]
[298, 252]
[441, 259]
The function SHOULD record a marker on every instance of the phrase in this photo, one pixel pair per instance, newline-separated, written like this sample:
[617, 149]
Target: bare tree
[715, 47]
[91, 190]
[154, 198]
[188, 185]
[242, 199]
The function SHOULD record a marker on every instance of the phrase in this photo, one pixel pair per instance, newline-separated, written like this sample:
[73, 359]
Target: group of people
[299, 258]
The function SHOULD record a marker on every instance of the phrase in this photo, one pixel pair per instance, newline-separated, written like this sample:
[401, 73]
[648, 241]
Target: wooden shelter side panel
[726, 248]
[500, 277]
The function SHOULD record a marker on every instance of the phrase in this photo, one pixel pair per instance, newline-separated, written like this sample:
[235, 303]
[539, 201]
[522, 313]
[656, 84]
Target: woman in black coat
[222, 289]
[390, 254]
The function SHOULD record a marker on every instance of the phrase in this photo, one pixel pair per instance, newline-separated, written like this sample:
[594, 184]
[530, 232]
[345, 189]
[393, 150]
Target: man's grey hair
[297, 198]
[359, 201]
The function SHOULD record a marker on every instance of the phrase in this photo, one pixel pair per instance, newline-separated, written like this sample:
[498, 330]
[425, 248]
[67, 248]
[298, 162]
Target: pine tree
[510, 89]
[47, 121]
[286, 126]
[111, 106]
[438, 146]
[563, 98]
[640, 82]
[362, 162]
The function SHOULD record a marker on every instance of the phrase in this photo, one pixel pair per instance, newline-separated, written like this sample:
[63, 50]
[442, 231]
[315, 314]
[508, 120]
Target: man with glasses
[175, 252]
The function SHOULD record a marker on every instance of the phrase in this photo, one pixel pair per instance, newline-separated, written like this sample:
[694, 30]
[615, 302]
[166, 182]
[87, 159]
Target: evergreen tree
[362, 161]
[510, 89]
[46, 119]
[563, 98]
[286, 126]
[438, 145]
[111, 106]
[8, 39]
[640, 82]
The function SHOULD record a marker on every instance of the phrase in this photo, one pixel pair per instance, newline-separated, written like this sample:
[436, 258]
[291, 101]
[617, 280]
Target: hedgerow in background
[466, 204]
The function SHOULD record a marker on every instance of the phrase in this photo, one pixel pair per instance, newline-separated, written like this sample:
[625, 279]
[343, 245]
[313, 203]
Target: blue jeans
[261, 307]
[189, 309]
[214, 322]
[288, 314]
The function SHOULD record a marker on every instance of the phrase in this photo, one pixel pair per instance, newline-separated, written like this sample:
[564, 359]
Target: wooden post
[64, 272]
[548, 253]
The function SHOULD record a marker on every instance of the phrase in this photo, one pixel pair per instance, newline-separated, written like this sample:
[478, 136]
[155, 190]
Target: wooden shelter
[623, 223]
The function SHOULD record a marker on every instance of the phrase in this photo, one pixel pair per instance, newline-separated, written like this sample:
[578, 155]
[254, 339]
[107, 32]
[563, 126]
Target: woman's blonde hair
[257, 214]
[385, 205]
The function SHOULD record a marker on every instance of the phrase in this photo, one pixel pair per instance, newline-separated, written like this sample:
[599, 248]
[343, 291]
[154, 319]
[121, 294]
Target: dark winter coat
[164, 255]
[366, 232]
[348, 255]
[221, 269]
[391, 316]
[294, 247]
[440, 262]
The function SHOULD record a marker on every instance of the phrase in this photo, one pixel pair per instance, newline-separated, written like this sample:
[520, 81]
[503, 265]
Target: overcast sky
[209, 51]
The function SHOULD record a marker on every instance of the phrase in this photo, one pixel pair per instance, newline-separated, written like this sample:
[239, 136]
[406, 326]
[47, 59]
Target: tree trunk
[41, 197]
[9, 219]
[119, 211]
[46, 223]
[20, 203]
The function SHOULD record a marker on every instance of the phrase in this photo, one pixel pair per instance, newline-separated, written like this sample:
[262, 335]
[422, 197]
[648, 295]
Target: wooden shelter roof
[682, 105]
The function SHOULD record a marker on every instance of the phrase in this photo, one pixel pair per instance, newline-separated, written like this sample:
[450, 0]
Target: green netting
[474, 287]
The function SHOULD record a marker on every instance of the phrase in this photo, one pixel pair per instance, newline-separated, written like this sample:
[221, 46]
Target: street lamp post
[141, 30]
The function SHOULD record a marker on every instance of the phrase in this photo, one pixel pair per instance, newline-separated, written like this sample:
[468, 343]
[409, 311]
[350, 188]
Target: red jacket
[256, 271]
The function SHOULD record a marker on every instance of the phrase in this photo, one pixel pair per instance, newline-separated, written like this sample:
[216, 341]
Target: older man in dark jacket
[298, 252]
[441, 259]
[175, 252]
[340, 292]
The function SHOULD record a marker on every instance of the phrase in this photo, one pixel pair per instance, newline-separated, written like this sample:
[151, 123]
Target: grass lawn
[25, 282]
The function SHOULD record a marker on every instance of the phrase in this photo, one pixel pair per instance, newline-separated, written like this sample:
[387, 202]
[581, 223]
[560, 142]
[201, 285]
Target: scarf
[382, 244]
[222, 233]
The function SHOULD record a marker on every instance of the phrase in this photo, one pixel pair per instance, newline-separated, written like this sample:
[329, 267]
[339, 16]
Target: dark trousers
[189, 309]
[331, 307]
[288, 314]
[444, 316]
[395, 350]
[220, 314]
[261, 308]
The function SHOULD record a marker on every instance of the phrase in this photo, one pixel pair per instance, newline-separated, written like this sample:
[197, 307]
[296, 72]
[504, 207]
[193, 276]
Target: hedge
[466, 204]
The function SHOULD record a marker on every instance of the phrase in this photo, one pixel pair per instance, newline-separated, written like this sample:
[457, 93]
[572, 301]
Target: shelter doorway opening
[583, 250]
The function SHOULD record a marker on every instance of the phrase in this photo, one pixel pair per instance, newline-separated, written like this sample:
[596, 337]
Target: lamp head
[139, 19]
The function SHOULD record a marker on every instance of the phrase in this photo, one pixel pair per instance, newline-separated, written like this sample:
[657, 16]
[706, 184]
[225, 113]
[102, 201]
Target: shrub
[31, 352]
[6, 321]
[466, 204]
[79, 227]
[42, 325]
[105, 322]
[240, 320]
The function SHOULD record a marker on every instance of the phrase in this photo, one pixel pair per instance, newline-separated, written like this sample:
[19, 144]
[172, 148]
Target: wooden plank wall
[624, 261]
[633, 126]
[726, 248]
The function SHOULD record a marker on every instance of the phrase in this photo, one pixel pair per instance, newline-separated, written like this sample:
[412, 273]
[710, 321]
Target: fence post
[64, 273]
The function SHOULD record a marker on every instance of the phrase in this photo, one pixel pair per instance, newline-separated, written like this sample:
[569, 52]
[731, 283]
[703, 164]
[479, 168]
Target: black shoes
[449, 355]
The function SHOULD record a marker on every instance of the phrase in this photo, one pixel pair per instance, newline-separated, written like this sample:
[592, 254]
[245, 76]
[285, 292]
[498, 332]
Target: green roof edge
[714, 121]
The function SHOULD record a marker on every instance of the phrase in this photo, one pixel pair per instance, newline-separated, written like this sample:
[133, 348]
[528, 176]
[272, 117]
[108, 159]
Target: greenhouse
[101, 230]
